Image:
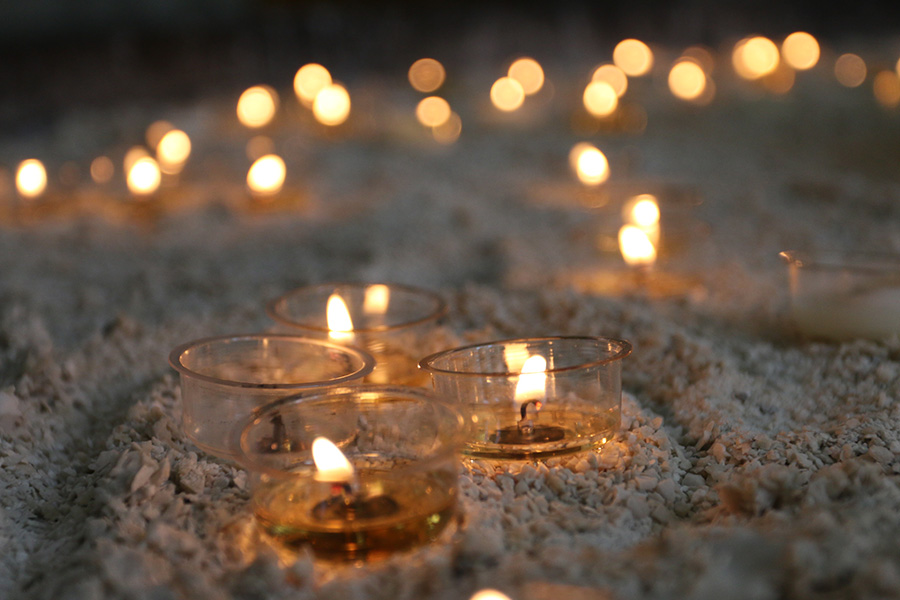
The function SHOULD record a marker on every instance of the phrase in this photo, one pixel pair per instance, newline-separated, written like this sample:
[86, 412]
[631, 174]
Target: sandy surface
[750, 464]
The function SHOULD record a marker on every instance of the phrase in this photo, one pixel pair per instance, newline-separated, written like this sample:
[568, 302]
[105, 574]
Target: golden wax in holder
[390, 321]
[354, 473]
[844, 295]
[533, 398]
[223, 379]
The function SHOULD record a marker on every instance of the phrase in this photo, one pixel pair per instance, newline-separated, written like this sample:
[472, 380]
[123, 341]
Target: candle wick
[526, 425]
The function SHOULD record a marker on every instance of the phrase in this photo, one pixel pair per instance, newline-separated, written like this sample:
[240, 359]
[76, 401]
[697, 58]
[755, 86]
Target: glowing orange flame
[266, 175]
[144, 177]
[331, 464]
[636, 247]
[507, 94]
[337, 315]
[612, 75]
[257, 106]
[590, 164]
[600, 99]
[433, 111]
[173, 150]
[426, 75]
[800, 50]
[687, 80]
[634, 57]
[31, 178]
[309, 81]
[332, 105]
[532, 380]
[529, 74]
[377, 299]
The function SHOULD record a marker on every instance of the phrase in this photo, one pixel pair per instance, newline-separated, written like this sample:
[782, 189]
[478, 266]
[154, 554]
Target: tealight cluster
[348, 451]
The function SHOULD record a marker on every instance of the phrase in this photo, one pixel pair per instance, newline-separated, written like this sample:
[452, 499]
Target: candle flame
[257, 106]
[600, 98]
[755, 57]
[636, 247]
[612, 75]
[644, 211]
[433, 111]
[31, 178]
[266, 175]
[309, 81]
[144, 177]
[332, 105]
[340, 324]
[426, 75]
[800, 50]
[634, 57]
[376, 302]
[331, 464]
[507, 94]
[687, 80]
[590, 164]
[489, 594]
[528, 73]
[532, 380]
[173, 150]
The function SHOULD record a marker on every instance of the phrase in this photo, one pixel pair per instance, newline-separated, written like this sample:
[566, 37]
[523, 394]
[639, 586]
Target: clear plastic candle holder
[392, 322]
[396, 490]
[571, 404]
[223, 379]
[844, 295]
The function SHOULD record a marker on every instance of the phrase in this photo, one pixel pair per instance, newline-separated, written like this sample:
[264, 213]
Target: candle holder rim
[175, 361]
[857, 260]
[427, 363]
[245, 460]
[440, 311]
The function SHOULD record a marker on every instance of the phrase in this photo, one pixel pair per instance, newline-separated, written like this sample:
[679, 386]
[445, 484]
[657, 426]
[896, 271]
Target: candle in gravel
[529, 398]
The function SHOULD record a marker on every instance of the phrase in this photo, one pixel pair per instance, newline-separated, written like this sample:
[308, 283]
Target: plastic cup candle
[563, 396]
[224, 379]
[354, 473]
[842, 296]
[392, 322]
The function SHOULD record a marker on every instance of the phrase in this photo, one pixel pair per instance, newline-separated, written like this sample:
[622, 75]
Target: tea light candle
[360, 472]
[391, 321]
[838, 296]
[564, 396]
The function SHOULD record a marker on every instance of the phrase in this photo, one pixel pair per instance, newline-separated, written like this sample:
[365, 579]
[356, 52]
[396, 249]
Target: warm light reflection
[643, 210]
[433, 111]
[850, 70]
[489, 594]
[340, 325]
[507, 94]
[702, 57]
[156, 131]
[102, 169]
[31, 178]
[755, 57]
[426, 75]
[449, 131]
[800, 50]
[600, 99]
[591, 165]
[377, 299]
[134, 154]
[258, 146]
[173, 151]
[332, 105]
[687, 80]
[532, 381]
[634, 57]
[309, 81]
[266, 175]
[144, 177]
[529, 74]
[612, 75]
[331, 464]
[257, 106]
[636, 247]
[515, 355]
[886, 88]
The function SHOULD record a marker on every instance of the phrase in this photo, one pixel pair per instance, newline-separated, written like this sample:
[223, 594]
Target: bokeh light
[634, 57]
[886, 88]
[636, 247]
[426, 75]
[528, 73]
[850, 70]
[489, 594]
[134, 154]
[687, 80]
[31, 178]
[449, 131]
[310, 79]
[332, 105]
[156, 131]
[266, 175]
[102, 169]
[590, 164]
[144, 176]
[800, 50]
[257, 106]
[507, 94]
[612, 75]
[433, 111]
[600, 99]
[173, 151]
[755, 57]
[702, 56]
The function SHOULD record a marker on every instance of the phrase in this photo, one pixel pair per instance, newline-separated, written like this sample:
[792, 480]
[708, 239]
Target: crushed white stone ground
[750, 463]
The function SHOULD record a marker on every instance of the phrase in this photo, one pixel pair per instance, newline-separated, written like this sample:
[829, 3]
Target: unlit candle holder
[390, 321]
[517, 412]
[844, 295]
[391, 481]
[223, 379]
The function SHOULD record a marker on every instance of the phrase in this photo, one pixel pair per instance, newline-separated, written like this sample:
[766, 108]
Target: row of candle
[361, 459]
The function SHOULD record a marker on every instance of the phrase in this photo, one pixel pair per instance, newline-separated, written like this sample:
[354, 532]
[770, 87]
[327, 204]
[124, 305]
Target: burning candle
[143, 177]
[257, 106]
[589, 163]
[31, 178]
[636, 248]
[266, 176]
[366, 470]
[393, 322]
[332, 105]
[535, 397]
[634, 57]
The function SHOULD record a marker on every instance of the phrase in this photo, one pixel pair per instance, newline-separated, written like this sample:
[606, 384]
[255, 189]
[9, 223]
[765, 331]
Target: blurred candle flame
[332, 105]
[340, 325]
[256, 107]
[376, 301]
[31, 178]
[331, 464]
[426, 75]
[590, 164]
[800, 50]
[489, 594]
[850, 70]
[532, 380]
[433, 111]
[687, 80]
[755, 57]
[634, 57]
[173, 150]
[529, 73]
[636, 247]
[507, 94]
[310, 79]
[144, 176]
[600, 98]
[612, 75]
[266, 175]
